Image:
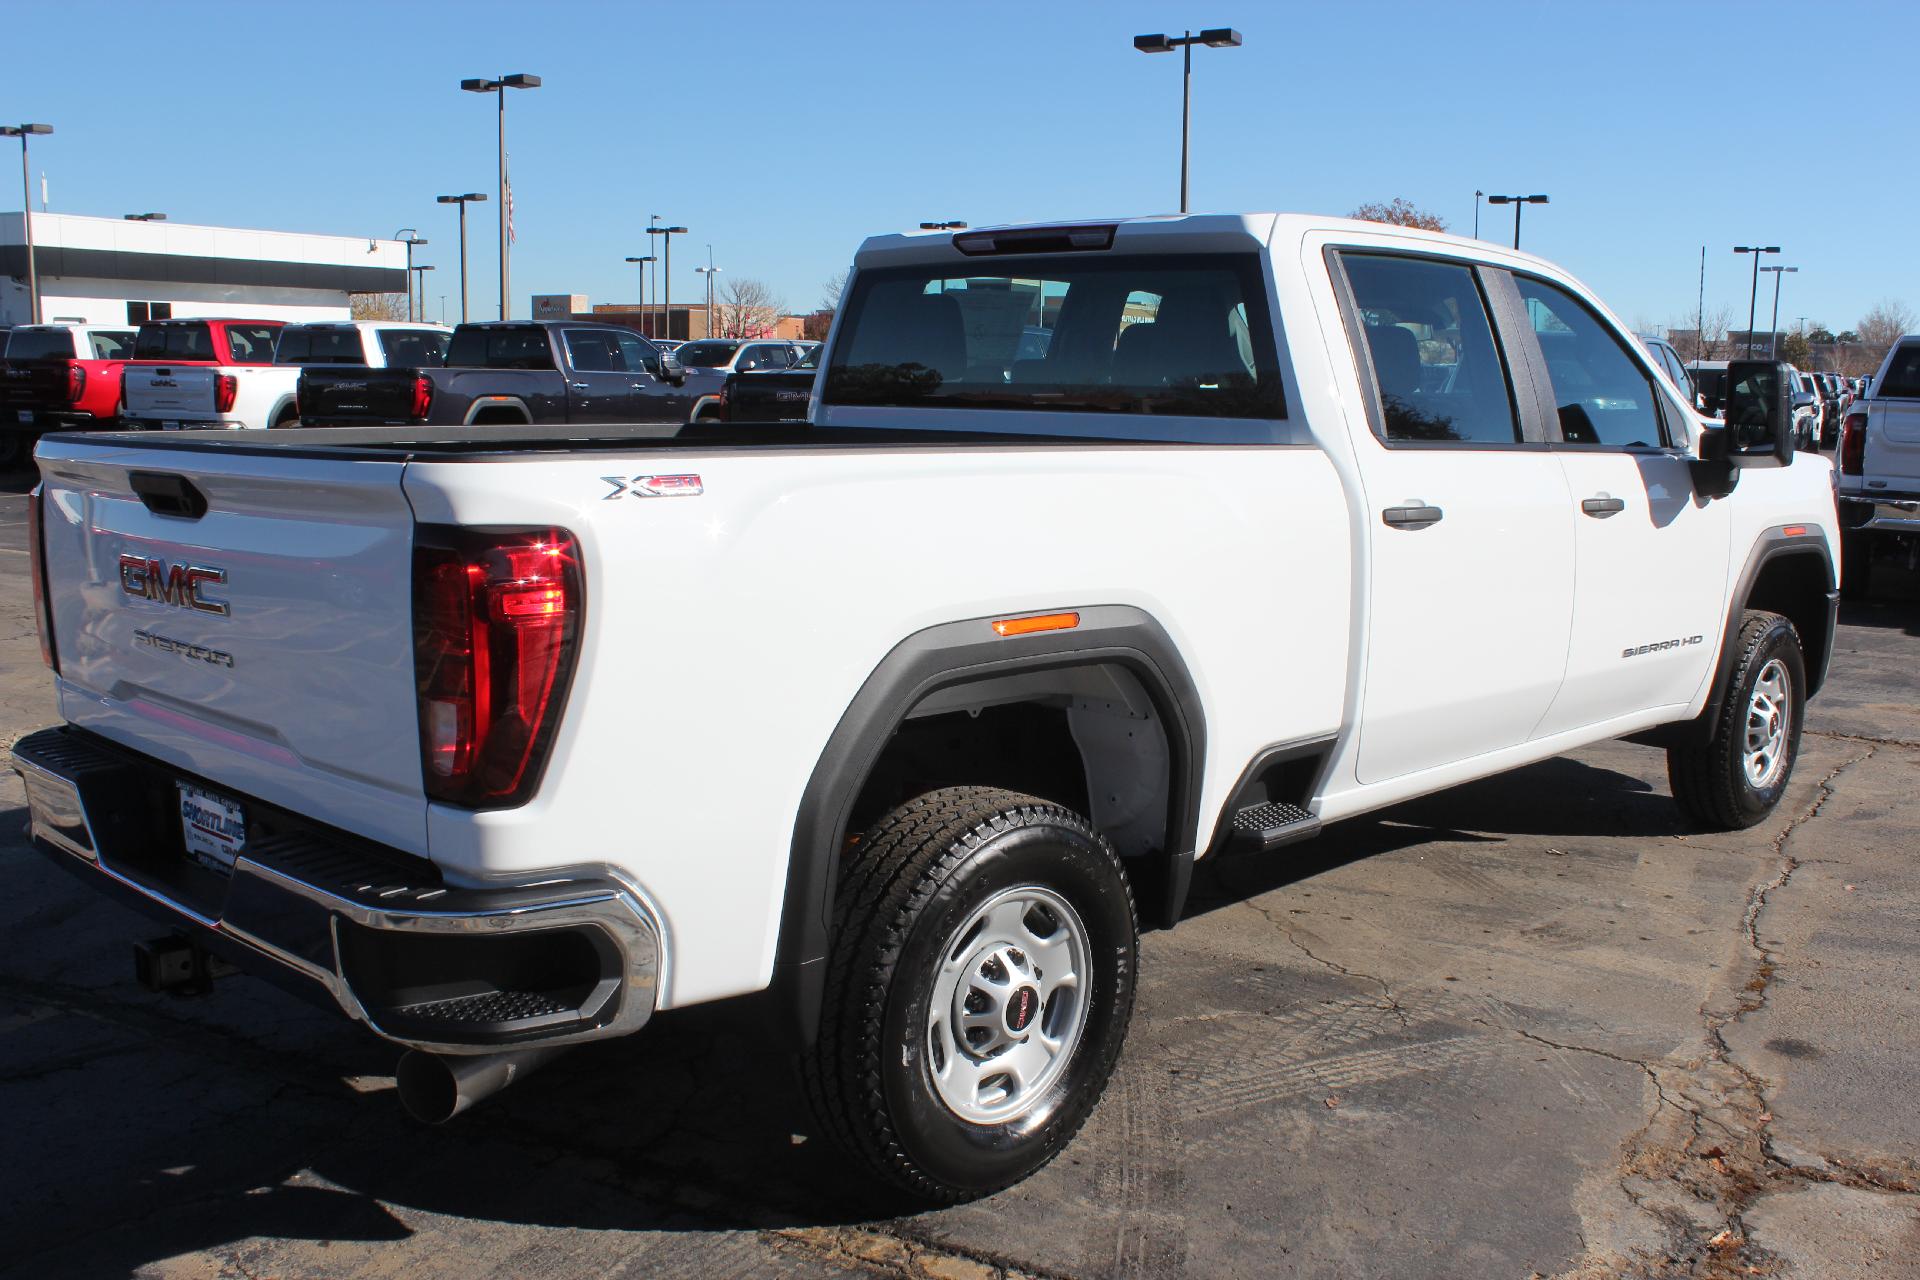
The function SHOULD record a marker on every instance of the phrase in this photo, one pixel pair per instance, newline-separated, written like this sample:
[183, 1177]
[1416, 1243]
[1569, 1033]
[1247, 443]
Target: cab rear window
[1179, 335]
[1903, 374]
[38, 344]
[173, 342]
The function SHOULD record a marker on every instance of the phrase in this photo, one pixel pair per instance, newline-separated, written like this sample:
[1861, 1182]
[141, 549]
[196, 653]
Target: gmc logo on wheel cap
[178, 585]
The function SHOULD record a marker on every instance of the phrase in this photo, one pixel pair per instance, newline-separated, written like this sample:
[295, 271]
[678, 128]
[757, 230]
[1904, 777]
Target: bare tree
[1401, 212]
[1880, 328]
[1707, 340]
[830, 294]
[748, 309]
[377, 306]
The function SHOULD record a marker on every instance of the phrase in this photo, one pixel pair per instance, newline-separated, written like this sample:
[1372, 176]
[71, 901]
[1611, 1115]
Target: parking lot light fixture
[23, 132]
[1753, 294]
[409, 237]
[709, 271]
[499, 87]
[420, 276]
[943, 226]
[640, 269]
[1773, 326]
[666, 272]
[463, 201]
[1517, 202]
[144, 217]
[1159, 42]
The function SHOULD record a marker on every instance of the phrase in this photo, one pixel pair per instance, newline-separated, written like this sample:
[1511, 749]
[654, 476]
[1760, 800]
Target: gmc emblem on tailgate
[178, 585]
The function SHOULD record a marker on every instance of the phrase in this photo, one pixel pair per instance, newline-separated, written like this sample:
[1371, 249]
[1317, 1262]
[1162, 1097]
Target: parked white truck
[247, 374]
[1879, 461]
[899, 719]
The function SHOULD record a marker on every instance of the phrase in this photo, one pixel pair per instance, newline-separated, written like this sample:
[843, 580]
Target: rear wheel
[978, 994]
[1732, 771]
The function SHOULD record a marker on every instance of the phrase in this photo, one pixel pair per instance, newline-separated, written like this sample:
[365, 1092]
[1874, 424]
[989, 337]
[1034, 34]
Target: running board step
[1268, 826]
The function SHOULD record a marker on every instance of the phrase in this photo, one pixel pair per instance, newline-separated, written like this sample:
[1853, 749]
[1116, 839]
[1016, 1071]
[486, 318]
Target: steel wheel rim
[1769, 718]
[1009, 1004]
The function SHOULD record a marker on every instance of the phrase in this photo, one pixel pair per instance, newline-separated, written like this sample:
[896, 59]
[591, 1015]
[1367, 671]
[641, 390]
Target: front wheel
[979, 991]
[1731, 772]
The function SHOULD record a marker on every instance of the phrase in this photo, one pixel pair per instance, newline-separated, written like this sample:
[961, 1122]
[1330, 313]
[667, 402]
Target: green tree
[1794, 350]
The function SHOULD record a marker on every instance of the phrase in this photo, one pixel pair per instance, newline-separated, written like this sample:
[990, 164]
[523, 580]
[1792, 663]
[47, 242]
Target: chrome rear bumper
[576, 956]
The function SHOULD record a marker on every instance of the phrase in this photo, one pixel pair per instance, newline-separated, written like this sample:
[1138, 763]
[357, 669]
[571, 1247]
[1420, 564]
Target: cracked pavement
[1530, 1027]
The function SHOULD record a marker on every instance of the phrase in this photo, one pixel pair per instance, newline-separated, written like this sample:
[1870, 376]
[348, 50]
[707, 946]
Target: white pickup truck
[1879, 461]
[250, 375]
[900, 719]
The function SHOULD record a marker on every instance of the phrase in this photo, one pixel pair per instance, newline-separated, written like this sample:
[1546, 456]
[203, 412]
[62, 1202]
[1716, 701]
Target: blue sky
[784, 133]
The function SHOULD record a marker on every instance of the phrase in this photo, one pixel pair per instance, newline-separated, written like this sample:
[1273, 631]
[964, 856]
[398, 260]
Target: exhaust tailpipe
[434, 1088]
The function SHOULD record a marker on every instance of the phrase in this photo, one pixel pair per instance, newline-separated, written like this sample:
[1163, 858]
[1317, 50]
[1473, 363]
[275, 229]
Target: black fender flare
[481, 404]
[1817, 650]
[939, 657]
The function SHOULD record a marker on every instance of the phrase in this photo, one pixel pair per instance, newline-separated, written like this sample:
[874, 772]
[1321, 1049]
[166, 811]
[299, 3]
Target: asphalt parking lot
[1529, 1027]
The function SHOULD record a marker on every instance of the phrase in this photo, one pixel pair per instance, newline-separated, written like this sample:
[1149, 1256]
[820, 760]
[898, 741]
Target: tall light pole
[1213, 38]
[666, 270]
[463, 202]
[517, 81]
[640, 269]
[23, 132]
[1517, 202]
[1773, 325]
[709, 271]
[420, 278]
[409, 237]
[1753, 295]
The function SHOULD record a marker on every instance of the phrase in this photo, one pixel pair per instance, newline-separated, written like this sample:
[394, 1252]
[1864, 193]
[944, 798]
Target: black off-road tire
[1856, 564]
[1707, 771]
[917, 876]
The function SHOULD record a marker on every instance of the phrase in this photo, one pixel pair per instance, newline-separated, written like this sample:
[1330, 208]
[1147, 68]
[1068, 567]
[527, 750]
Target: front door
[598, 389]
[653, 398]
[1470, 528]
[1652, 554]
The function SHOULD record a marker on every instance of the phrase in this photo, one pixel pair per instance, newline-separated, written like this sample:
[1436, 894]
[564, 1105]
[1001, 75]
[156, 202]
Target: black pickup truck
[502, 372]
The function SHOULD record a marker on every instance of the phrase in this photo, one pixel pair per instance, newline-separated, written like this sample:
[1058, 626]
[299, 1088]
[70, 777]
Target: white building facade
[116, 272]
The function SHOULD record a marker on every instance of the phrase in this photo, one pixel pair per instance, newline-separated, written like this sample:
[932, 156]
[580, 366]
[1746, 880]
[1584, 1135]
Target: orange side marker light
[1038, 622]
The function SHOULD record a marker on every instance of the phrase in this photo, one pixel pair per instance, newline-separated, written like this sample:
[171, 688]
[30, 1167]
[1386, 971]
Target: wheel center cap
[1024, 1003]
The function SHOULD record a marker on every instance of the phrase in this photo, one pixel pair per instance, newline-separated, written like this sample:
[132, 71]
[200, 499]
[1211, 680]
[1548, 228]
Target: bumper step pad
[1268, 826]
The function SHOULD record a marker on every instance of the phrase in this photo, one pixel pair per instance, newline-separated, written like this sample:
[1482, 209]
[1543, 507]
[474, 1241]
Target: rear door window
[1439, 374]
[111, 344]
[251, 343]
[1604, 396]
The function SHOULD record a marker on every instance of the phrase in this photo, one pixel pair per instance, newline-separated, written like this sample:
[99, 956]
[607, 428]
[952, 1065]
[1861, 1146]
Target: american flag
[511, 238]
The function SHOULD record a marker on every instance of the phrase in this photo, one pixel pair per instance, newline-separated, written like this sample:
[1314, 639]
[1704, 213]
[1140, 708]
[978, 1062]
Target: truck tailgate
[282, 666]
[170, 391]
[352, 394]
[1893, 447]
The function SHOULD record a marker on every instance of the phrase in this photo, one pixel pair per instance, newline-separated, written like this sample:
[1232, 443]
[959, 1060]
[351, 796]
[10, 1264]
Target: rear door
[1651, 553]
[1892, 462]
[1469, 522]
[265, 643]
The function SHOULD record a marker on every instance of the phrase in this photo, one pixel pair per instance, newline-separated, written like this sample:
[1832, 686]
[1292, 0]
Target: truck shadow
[286, 1130]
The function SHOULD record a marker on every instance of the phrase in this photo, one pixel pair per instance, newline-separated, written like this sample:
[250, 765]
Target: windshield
[705, 355]
[1161, 334]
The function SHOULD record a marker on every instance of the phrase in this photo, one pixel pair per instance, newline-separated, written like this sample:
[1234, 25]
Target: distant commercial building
[686, 321]
[113, 271]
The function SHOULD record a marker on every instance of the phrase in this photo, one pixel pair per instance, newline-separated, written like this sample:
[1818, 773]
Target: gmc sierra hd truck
[899, 720]
[1879, 461]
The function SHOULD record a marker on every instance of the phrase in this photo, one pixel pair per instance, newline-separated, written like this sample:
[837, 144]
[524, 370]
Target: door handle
[581, 386]
[1414, 515]
[1602, 507]
[638, 386]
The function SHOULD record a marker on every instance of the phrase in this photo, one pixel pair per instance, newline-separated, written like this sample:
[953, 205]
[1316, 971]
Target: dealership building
[117, 271]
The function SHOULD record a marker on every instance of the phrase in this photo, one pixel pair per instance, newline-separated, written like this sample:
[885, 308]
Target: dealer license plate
[213, 827]
[26, 415]
[169, 426]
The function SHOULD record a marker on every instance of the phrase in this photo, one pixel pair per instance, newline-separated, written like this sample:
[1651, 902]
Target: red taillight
[496, 620]
[226, 389]
[1853, 445]
[76, 383]
[422, 396]
[37, 569]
